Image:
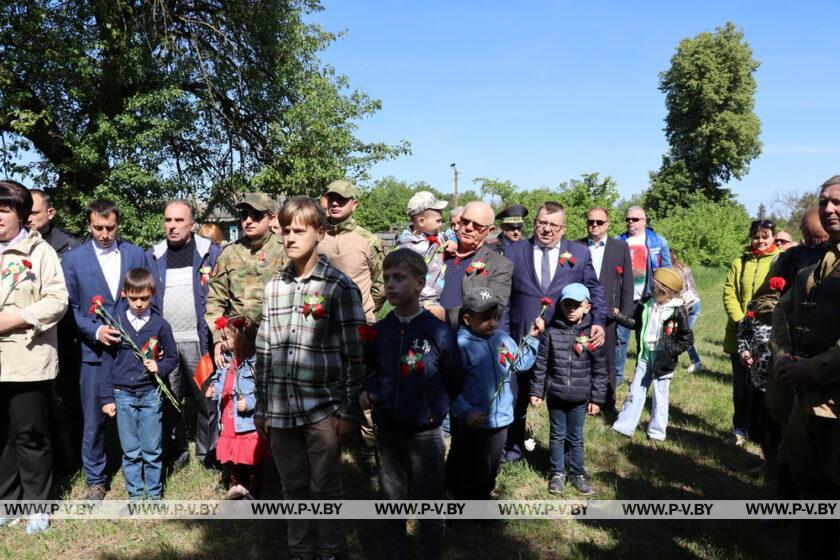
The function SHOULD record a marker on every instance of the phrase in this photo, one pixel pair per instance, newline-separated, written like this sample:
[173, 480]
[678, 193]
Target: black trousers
[26, 464]
[473, 461]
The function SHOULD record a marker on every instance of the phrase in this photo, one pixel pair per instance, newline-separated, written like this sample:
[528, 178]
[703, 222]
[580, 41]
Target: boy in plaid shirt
[309, 373]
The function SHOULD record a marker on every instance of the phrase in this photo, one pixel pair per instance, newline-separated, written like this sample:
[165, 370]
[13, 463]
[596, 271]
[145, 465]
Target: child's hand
[241, 405]
[367, 400]
[538, 327]
[450, 246]
[593, 409]
[110, 409]
[438, 312]
[616, 311]
[746, 358]
[536, 401]
[210, 392]
[476, 419]
[151, 365]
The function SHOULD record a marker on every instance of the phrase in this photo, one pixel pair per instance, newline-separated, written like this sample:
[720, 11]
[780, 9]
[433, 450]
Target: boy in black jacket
[128, 391]
[573, 377]
[414, 369]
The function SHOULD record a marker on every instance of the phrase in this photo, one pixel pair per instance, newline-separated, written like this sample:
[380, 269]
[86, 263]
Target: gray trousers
[182, 385]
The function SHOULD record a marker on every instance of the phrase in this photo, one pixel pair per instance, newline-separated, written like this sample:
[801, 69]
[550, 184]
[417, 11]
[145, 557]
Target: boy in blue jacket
[573, 377]
[483, 411]
[414, 369]
[128, 390]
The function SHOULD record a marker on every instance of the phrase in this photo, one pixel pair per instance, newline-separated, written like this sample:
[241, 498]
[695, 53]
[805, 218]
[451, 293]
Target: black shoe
[555, 485]
[182, 461]
[582, 485]
[95, 492]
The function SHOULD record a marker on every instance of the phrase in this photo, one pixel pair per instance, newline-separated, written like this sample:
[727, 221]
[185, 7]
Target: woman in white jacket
[33, 298]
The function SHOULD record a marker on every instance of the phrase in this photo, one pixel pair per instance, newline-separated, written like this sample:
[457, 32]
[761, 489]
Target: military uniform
[237, 283]
[357, 253]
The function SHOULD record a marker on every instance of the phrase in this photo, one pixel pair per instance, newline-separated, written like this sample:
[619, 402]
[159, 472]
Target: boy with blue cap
[571, 375]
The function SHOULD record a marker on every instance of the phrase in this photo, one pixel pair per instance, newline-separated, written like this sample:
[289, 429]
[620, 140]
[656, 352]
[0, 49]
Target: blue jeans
[634, 403]
[566, 431]
[693, 314]
[139, 421]
[740, 395]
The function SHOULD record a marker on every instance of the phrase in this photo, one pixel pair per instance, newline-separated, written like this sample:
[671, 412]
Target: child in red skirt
[240, 447]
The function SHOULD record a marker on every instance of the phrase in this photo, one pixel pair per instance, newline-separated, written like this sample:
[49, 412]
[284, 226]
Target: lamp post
[455, 172]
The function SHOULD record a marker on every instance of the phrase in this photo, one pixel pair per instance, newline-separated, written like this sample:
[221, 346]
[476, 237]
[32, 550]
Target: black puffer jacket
[678, 338]
[564, 374]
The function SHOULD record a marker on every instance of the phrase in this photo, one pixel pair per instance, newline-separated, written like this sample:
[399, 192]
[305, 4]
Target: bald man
[474, 264]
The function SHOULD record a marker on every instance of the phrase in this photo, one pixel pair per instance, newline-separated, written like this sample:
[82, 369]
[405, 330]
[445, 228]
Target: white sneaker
[694, 367]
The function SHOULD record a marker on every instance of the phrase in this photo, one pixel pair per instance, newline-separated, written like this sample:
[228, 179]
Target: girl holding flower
[33, 298]
[240, 447]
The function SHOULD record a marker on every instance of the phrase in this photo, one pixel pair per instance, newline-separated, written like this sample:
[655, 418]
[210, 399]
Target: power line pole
[455, 171]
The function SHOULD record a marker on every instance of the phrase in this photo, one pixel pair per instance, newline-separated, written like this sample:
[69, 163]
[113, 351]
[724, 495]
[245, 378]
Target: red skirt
[246, 448]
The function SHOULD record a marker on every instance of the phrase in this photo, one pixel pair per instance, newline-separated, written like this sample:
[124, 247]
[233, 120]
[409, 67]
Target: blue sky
[539, 92]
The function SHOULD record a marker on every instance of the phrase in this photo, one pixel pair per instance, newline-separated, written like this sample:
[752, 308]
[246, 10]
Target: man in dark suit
[543, 266]
[474, 264]
[97, 267]
[614, 268]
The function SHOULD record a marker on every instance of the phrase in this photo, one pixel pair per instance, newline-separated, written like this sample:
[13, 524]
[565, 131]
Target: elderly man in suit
[543, 266]
[614, 268]
[474, 264]
[97, 267]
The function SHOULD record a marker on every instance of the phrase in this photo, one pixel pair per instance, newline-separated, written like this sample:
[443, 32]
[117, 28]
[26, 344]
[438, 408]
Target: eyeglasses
[512, 227]
[255, 215]
[476, 226]
[629, 220]
[596, 222]
[546, 224]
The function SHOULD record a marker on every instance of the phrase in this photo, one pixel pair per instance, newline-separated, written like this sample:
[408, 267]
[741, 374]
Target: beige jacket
[30, 353]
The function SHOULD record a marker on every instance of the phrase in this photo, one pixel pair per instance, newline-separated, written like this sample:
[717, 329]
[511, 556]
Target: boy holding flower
[128, 389]
[309, 372]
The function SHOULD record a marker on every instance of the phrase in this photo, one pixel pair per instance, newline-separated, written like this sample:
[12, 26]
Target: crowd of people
[274, 341]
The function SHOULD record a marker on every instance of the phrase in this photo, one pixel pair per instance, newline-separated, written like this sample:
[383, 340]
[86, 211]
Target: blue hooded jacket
[415, 397]
[482, 361]
[243, 386]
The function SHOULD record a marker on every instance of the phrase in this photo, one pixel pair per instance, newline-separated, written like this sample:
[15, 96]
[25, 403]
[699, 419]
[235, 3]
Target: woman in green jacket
[745, 276]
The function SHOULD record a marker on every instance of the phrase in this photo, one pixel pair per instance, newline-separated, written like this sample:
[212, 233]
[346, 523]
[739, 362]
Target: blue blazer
[85, 279]
[526, 293]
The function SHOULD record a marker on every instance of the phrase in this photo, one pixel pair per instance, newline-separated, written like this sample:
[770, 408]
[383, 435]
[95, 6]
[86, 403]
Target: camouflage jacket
[357, 253]
[238, 282]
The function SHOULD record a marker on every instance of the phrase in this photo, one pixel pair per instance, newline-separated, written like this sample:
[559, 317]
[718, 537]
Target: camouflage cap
[258, 201]
[342, 188]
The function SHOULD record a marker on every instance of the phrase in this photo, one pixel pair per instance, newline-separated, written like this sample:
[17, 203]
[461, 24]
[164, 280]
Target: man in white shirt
[97, 268]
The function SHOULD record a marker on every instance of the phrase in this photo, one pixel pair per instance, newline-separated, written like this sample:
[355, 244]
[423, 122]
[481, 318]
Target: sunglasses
[633, 220]
[595, 222]
[476, 226]
[255, 215]
[512, 227]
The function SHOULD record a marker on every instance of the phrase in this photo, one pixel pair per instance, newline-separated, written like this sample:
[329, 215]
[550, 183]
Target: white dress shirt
[138, 321]
[109, 262]
[597, 249]
[553, 257]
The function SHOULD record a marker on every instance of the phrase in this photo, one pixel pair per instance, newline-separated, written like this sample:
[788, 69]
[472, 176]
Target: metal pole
[455, 171]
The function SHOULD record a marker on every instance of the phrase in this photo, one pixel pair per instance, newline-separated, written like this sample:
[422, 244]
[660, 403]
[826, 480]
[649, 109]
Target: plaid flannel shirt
[307, 366]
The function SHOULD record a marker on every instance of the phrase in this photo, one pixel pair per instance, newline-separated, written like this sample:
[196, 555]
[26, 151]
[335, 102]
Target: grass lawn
[693, 463]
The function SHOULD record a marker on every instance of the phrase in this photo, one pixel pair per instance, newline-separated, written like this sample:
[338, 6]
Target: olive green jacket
[746, 274]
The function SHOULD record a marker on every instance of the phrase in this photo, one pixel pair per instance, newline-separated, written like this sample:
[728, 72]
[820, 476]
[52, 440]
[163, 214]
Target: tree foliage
[711, 126]
[150, 98]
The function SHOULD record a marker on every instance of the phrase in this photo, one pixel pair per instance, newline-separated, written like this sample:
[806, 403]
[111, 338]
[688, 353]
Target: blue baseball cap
[576, 292]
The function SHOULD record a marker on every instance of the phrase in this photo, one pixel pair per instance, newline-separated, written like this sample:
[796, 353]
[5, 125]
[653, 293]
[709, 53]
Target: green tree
[147, 99]
[711, 126]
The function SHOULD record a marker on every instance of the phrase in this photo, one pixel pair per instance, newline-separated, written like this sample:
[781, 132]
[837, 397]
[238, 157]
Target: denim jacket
[243, 386]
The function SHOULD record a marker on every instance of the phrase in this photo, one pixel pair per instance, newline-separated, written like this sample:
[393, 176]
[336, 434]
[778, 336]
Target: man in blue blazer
[97, 267]
[542, 267]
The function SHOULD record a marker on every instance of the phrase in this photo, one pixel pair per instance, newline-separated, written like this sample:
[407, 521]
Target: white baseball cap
[422, 201]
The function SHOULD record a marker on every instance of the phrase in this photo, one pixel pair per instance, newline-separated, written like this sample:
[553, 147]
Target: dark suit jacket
[84, 279]
[499, 270]
[618, 291]
[526, 293]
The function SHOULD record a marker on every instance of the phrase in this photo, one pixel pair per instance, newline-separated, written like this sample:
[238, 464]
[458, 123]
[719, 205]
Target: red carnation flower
[547, 301]
[221, 323]
[619, 270]
[750, 314]
[92, 309]
[27, 263]
[777, 283]
[97, 300]
[367, 333]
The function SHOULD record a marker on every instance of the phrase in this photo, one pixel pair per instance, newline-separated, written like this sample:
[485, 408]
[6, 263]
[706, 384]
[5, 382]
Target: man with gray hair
[181, 265]
[648, 251]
